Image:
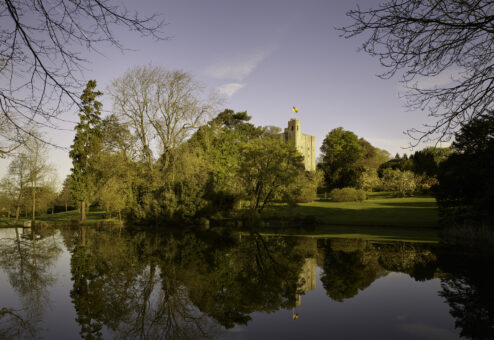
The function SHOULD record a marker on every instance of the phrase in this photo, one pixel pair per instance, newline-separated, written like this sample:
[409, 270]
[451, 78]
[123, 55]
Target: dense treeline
[348, 161]
[157, 159]
[466, 190]
[164, 155]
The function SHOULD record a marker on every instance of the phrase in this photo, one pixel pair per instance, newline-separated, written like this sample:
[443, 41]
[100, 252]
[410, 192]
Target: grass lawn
[380, 217]
[92, 217]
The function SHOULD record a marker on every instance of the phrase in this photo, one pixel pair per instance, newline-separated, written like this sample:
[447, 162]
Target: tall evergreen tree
[87, 145]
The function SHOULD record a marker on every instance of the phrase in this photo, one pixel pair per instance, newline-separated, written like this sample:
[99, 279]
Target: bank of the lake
[380, 217]
[62, 218]
[379, 210]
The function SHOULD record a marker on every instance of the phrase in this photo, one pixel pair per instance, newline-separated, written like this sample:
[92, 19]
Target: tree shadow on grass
[430, 205]
[410, 215]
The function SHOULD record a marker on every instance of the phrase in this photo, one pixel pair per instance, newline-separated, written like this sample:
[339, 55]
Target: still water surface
[73, 282]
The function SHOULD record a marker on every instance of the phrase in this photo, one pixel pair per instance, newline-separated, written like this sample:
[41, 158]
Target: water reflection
[467, 286]
[26, 257]
[186, 285]
[351, 265]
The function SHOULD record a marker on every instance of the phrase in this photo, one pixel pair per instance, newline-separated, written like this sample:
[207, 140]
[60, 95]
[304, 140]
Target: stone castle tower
[305, 144]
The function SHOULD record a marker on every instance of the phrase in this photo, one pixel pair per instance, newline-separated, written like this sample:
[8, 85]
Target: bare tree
[38, 167]
[416, 39]
[161, 105]
[15, 183]
[41, 60]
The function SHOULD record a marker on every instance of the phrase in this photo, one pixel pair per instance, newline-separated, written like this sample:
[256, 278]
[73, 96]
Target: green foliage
[86, 146]
[65, 196]
[267, 166]
[466, 183]
[303, 189]
[348, 161]
[224, 162]
[341, 151]
[397, 163]
[347, 195]
[428, 160]
[370, 181]
[401, 183]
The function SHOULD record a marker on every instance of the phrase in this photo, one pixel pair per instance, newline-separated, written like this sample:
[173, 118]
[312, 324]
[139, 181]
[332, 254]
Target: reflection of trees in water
[179, 286]
[255, 274]
[117, 283]
[27, 258]
[467, 287]
[14, 325]
[351, 265]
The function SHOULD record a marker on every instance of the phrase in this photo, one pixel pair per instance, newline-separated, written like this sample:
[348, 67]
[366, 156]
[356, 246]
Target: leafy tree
[87, 145]
[418, 39]
[372, 157]
[466, 184]
[397, 163]
[340, 152]
[401, 183]
[65, 195]
[221, 141]
[427, 161]
[267, 166]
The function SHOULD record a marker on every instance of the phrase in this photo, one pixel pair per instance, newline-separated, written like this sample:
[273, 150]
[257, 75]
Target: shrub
[347, 195]
[401, 183]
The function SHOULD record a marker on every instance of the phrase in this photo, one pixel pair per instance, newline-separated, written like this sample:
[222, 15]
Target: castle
[305, 144]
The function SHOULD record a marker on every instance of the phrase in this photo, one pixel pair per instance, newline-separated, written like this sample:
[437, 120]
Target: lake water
[95, 282]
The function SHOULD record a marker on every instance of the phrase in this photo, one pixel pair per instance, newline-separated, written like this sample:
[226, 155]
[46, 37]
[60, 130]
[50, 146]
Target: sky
[264, 56]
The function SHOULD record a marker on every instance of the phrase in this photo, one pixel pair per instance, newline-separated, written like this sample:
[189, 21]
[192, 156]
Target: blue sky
[265, 56]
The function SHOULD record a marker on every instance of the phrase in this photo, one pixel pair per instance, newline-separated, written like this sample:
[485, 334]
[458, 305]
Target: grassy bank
[380, 210]
[94, 217]
[380, 217]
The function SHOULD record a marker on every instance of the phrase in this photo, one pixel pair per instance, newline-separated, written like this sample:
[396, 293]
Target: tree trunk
[17, 212]
[83, 211]
[34, 202]
[66, 207]
[83, 236]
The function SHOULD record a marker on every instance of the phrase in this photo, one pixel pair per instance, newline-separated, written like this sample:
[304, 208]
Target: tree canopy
[340, 152]
[86, 146]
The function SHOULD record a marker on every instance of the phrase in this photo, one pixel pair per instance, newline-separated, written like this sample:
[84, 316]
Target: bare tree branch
[420, 39]
[41, 60]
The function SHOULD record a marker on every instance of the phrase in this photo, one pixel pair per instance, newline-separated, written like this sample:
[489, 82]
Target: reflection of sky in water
[393, 307]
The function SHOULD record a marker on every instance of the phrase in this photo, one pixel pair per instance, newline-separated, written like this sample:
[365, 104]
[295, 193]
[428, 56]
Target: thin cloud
[402, 145]
[229, 89]
[240, 67]
[445, 78]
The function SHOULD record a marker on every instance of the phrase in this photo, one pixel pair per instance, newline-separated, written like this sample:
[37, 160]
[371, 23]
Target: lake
[108, 282]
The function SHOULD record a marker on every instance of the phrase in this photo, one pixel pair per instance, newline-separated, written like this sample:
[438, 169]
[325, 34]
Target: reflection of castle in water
[307, 279]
